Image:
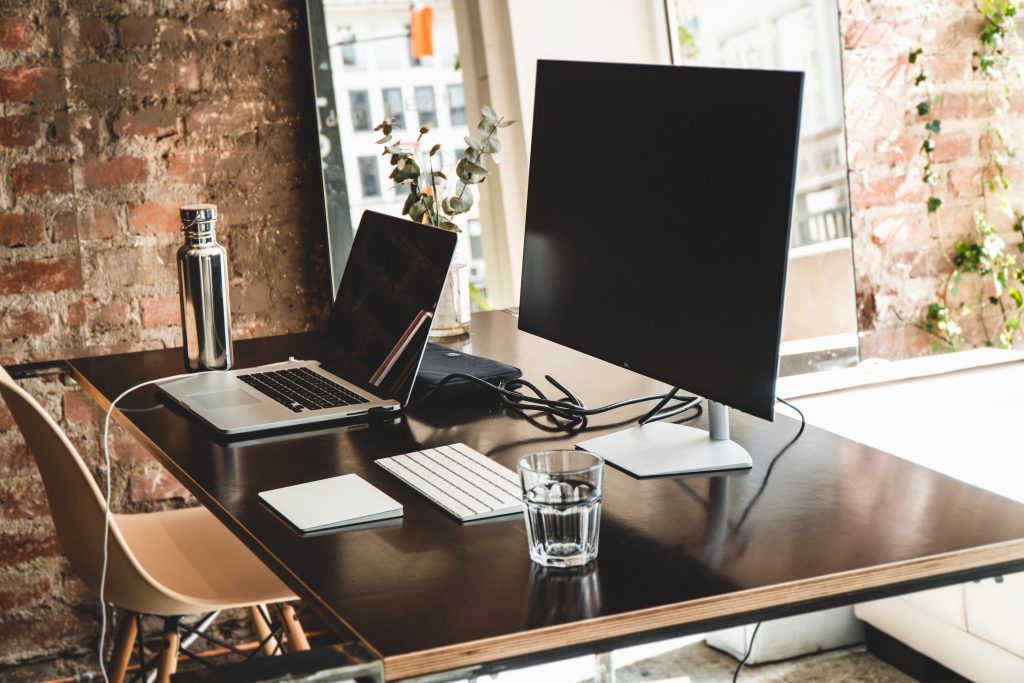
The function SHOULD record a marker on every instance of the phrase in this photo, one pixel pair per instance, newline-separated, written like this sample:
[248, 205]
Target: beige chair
[172, 564]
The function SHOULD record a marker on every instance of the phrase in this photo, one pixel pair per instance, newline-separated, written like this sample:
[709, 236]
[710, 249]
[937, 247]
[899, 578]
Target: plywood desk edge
[749, 601]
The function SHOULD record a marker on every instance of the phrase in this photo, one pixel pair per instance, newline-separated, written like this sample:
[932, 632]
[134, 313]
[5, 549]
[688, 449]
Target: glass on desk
[562, 497]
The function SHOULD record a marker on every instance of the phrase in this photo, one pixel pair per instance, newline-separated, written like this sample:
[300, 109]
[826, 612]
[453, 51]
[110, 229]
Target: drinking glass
[562, 496]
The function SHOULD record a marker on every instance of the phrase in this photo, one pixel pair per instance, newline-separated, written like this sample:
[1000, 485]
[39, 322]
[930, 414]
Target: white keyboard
[465, 483]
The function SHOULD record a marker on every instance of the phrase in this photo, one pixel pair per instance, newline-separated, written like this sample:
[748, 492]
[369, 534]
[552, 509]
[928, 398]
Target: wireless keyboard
[464, 483]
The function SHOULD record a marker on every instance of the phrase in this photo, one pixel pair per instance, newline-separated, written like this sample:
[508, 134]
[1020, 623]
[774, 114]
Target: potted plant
[437, 199]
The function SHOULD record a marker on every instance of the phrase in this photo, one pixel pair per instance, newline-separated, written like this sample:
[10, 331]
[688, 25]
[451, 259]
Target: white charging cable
[106, 499]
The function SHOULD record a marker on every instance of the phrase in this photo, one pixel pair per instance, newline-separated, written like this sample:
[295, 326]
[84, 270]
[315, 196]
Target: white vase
[453, 309]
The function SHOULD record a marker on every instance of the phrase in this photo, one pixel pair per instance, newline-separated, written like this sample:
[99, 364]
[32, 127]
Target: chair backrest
[76, 504]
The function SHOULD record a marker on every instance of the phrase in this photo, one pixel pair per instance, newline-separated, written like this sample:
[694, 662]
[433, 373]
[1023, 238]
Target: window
[348, 46]
[457, 104]
[359, 101]
[394, 107]
[368, 176]
[425, 106]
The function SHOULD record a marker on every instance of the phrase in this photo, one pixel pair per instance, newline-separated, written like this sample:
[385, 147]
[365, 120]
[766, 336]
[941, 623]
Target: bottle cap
[191, 214]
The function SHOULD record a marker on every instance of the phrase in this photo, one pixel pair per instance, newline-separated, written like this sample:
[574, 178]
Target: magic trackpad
[222, 399]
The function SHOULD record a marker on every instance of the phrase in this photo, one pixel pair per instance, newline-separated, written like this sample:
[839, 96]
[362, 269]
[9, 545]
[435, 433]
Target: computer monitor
[657, 238]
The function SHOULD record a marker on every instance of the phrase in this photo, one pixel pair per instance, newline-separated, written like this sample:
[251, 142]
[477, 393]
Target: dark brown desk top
[836, 521]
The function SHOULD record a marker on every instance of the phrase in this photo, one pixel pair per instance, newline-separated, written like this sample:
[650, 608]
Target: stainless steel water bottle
[203, 287]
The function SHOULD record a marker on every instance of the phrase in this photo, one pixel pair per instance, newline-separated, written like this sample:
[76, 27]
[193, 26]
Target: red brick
[97, 225]
[950, 148]
[76, 313]
[98, 82]
[139, 31]
[125, 448]
[6, 419]
[86, 128]
[161, 311]
[21, 229]
[29, 84]
[78, 407]
[64, 226]
[155, 485]
[20, 546]
[115, 172]
[157, 78]
[190, 167]
[154, 122]
[868, 192]
[16, 34]
[24, 502]
[900, 151]
[25, 594]
[93, 31]
[19, 131]
[114, 314]
[28, 323]
[49, 275]
[151, 219]
[220, 119]
[948, 68]
[15, 458]
[39, 178]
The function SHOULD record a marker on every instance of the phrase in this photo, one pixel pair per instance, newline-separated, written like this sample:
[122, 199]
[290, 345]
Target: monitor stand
[660, 448]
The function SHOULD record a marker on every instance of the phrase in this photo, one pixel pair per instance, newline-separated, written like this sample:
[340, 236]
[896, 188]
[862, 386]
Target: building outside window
[457, 104]
[348, 47]
[359, 102]
[425, 106]
[393, 106]
[368, 176]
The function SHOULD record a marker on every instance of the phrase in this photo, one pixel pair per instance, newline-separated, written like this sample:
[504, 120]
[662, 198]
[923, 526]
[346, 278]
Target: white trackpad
[221, 399]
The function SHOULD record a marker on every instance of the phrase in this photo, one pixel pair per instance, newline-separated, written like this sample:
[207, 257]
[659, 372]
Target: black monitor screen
[657, 226]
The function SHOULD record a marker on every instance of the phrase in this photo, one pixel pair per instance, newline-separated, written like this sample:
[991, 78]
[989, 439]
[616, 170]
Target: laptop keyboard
[301, 389]
[465, 483]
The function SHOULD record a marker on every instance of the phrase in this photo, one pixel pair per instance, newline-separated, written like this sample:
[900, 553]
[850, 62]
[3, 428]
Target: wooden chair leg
[260, 623]
[296, 636]
[168, 662]
[126, 631]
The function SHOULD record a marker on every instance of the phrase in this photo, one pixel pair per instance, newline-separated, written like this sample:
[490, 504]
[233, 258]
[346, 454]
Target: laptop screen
[386, 303]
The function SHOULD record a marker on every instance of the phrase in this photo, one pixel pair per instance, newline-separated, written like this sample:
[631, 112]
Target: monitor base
[660, 448]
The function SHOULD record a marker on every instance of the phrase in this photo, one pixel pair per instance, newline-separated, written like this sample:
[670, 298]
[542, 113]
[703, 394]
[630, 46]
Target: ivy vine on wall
[986, 276]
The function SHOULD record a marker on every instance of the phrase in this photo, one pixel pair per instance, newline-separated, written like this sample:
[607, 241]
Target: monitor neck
[718, 420]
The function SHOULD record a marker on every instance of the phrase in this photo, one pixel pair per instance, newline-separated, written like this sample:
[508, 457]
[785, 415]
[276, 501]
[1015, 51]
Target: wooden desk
[836, 522]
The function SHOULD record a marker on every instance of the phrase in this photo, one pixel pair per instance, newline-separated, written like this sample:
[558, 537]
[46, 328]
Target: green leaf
[433, 150]
[489, 114]
[384, 140]
[407, 169]
[921, 78]
[914, 54]
[492, 145]
[933, 204]
[448, 225]
[934, 126]
[505, 124]
[485, 128]
[928, 146]
[1015, 294]
[438, 174]
[467, 200]
[473, 143]
[473, 155]
[923, 108]
[410, 200]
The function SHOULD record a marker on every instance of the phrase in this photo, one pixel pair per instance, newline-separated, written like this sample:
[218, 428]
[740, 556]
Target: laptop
[369, 354]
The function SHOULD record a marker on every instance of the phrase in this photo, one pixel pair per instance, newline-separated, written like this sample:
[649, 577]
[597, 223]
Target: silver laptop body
[372, 347]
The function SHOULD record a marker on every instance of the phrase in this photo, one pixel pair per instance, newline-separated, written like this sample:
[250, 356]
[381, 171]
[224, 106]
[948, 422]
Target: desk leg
[604, 668]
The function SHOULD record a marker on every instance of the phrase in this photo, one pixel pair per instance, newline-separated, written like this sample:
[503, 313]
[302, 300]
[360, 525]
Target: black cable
[566, 413]
[771, 465]
[750, 648]
[661, 404]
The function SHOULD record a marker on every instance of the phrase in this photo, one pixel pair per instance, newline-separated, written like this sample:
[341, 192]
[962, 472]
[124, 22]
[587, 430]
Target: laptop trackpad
[222, 399]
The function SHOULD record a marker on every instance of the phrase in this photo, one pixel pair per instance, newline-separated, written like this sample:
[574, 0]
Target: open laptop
[370, 353]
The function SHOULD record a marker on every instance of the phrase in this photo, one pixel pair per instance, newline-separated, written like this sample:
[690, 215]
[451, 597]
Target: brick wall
[111, 116]
[899, 263]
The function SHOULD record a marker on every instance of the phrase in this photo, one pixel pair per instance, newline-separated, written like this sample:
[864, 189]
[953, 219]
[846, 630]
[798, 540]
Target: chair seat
[199, 563]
